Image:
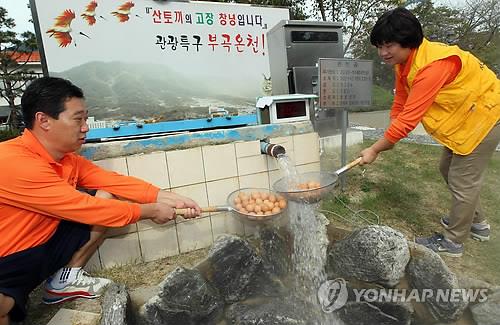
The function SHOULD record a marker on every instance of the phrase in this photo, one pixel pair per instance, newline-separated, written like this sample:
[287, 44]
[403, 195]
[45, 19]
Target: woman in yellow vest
[457, 99]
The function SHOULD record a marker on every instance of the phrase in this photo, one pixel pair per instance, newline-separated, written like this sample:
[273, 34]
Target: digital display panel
[291, 109]
[312, 36]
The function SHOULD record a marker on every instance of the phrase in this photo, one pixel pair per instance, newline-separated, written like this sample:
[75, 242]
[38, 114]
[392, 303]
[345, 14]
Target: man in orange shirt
[457, 99]
[48, 228]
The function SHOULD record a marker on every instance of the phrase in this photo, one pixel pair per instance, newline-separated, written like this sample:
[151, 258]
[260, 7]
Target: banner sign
[158, 60]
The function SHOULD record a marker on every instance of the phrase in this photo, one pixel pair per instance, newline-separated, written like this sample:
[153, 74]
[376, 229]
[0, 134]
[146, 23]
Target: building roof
[21, 57]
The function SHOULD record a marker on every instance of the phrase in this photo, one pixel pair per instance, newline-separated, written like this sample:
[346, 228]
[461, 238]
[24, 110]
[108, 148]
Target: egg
[258, 209]
[250, 207]
[312, 185]
[272, 198]
[264, 195]
[302, 186]
[276, 210]
[282, 204]
[237, 200]
[265, 207]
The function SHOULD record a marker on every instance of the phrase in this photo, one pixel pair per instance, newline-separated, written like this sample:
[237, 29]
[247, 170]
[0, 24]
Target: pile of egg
[312, 185]
[259, 203]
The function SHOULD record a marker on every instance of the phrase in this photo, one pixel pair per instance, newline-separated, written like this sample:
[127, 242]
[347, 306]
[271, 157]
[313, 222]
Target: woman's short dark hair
[47, 95]
[398, 25]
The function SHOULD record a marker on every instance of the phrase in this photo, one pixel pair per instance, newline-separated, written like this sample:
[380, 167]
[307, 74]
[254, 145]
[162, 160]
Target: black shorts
[22, 272]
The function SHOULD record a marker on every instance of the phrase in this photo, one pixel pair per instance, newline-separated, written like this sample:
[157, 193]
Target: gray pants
[464, 176]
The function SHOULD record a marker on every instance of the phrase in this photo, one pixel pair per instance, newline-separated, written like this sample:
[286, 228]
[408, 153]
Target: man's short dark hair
[398, 25]
[47, 95]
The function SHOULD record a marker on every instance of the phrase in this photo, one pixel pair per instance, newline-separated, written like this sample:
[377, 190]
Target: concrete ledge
[103, 150]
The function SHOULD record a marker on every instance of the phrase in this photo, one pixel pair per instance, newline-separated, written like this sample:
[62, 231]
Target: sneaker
[440, 244]
[478, 231]
[84, 286]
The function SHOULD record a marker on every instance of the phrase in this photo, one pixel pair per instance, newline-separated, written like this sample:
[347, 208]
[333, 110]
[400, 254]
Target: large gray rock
[265, 284]
[487, 312]
[373, 254]
[428, 273]
[232, 262]
[185, 298]
[364, 313]
[116, 308]
[269, 312]
[276, 250]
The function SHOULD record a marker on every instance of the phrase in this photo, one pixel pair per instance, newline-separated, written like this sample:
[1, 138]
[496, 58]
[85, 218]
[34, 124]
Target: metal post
[343, 153]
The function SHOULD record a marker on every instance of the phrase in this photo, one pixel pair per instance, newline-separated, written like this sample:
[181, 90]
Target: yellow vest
[464, 110]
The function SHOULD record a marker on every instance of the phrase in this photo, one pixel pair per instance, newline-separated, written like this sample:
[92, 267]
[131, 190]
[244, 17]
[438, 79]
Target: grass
[406, 191]
[381, 100]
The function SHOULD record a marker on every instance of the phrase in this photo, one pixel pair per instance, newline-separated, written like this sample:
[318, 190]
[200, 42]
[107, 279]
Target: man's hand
[159, 213]
[178, 201]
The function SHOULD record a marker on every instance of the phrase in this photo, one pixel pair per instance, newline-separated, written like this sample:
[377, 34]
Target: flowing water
[310, 243]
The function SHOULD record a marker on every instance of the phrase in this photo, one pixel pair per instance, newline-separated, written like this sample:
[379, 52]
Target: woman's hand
[368, 156]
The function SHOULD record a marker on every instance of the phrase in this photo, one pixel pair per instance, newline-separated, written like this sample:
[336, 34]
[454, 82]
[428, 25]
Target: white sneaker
[84, 286]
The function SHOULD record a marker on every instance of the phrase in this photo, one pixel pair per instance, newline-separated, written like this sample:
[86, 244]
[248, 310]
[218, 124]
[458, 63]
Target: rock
[185, 298]
[264, 284]
[428, 273]
[373, 254]
[487, 312]
[275, 251]
[269, 312]
[232, 264]
[116, 308]
[470, 283]
[386, 313]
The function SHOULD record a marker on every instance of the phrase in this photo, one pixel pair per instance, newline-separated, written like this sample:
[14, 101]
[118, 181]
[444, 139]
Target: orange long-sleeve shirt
[36, 192]
[408, 108]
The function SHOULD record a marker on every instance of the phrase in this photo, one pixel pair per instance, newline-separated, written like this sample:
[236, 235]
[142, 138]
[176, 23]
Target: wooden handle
[349, 166]
[353, 163]
[183, 211]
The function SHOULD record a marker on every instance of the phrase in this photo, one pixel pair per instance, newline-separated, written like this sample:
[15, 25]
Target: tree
[15, 53]
[474, 28]
[297, 7]
[357, 16]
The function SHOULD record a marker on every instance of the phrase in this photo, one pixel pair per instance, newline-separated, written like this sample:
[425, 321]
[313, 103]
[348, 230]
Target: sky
[18, 10]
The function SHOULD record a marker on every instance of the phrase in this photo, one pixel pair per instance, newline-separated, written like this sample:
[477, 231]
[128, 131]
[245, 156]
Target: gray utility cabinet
[294, 47]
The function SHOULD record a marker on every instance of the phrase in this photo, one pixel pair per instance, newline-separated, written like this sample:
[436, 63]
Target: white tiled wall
[206, 174]
[151, 168]
[185, 167]
[219, 162]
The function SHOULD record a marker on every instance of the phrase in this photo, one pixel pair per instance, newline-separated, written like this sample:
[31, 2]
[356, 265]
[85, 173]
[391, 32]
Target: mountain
[124, 91]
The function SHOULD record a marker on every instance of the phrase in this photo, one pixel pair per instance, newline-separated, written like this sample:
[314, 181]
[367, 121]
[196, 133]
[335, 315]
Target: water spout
[273, 150]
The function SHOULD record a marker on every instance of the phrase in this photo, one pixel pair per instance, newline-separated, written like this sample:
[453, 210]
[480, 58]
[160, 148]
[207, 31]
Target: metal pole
[343, 153]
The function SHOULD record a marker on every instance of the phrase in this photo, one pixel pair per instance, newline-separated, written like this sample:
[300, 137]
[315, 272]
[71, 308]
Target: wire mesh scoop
[310, 187]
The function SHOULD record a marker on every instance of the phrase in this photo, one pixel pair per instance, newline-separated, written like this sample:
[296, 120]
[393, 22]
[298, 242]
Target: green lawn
[405, 189]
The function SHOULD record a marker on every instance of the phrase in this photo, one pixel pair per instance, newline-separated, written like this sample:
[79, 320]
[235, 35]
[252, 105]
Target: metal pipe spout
[271, 149]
